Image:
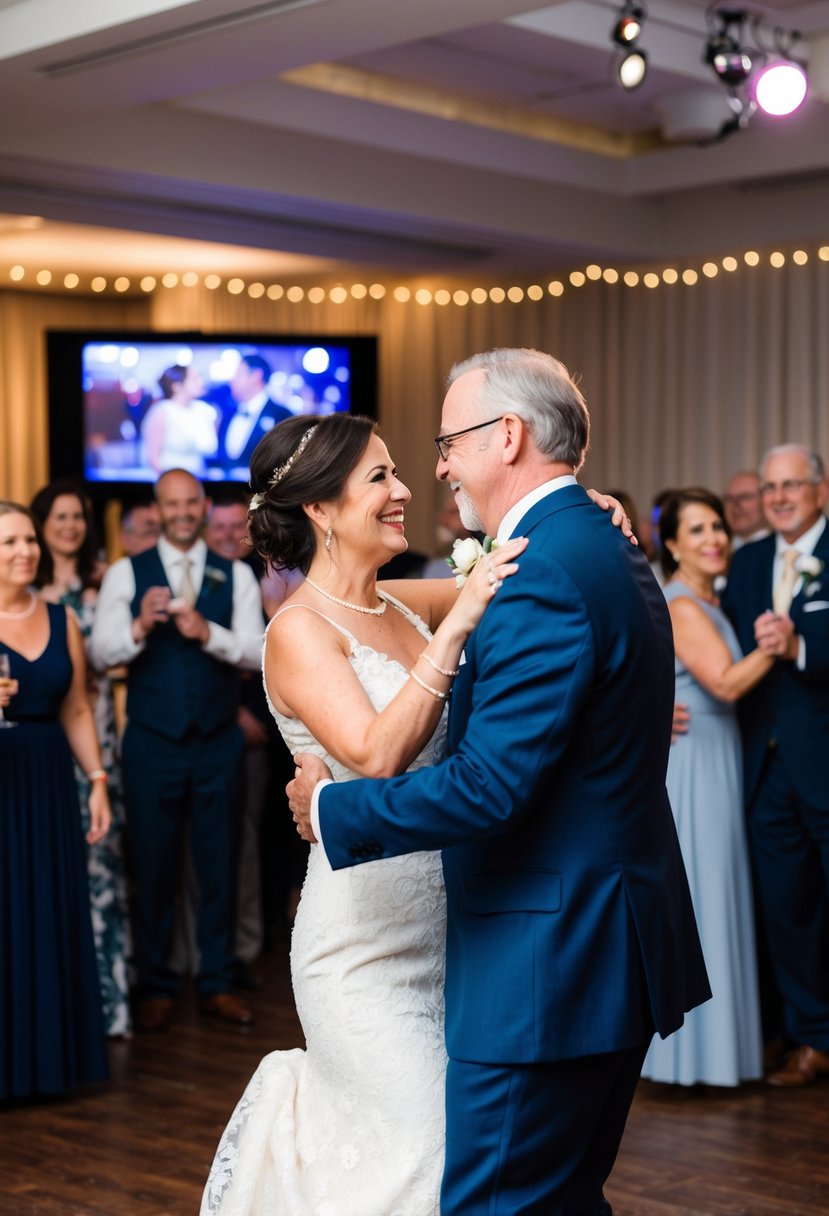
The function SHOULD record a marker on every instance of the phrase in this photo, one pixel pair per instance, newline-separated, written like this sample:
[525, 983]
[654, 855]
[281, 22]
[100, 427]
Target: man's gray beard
[470, 518]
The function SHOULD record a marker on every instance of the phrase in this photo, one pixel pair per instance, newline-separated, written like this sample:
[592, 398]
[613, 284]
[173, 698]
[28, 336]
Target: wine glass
[5, 673]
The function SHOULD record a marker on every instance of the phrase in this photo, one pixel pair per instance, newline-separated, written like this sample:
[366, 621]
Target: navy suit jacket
[789, 705]
[270, 415]
[571, 930]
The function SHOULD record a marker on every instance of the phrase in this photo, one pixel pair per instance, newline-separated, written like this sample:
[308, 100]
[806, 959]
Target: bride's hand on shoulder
[484, 580]
[618, 518]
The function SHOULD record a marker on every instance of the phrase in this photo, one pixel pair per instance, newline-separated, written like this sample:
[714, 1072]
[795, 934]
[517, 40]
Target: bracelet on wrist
[444, 671]
[97, 774]
[440, 696]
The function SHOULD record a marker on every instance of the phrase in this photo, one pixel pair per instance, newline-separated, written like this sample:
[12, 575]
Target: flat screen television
[125, 405]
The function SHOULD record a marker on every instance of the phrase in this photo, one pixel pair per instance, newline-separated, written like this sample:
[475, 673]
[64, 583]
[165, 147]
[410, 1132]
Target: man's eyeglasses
[443, 442]
[790, 486]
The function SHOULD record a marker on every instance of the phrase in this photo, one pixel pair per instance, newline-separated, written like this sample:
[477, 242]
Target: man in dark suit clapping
[785, 723]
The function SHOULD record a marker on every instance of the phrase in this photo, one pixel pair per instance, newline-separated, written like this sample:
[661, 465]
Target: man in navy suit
[785, 723]
[571, 934]
[254, 415]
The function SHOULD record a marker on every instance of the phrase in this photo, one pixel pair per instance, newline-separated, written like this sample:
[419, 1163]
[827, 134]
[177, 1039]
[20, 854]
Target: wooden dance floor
[142, 1145]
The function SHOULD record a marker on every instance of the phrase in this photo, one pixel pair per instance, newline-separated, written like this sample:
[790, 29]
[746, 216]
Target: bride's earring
[329, 536]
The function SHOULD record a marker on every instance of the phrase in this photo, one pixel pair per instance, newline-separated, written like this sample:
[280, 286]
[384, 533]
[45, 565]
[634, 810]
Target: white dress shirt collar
[172, 560]
[804, 544]
[516, 513]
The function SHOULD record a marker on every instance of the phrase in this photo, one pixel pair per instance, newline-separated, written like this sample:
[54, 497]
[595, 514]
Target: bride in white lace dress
[354, 1124]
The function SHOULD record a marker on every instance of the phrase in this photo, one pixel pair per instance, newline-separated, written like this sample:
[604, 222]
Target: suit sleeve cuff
[315, 811]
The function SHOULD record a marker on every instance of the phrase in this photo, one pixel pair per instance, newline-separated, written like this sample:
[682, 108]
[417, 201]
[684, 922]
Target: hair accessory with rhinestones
[280, 471]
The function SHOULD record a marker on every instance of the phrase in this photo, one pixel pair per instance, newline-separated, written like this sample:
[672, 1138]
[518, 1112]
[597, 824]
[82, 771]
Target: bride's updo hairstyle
[301, 460]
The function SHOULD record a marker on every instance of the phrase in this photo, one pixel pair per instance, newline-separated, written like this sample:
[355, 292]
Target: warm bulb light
[338, 295]
[752, 258]
[780, 89]
[479, 295]
[295, 294]
[670, 275]
[556, 288]
[316, 295]
[729, 264]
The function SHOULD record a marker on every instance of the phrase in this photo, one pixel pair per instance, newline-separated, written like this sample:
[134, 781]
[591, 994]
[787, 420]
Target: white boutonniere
[466, 554]
[214, 577]
[810, 568]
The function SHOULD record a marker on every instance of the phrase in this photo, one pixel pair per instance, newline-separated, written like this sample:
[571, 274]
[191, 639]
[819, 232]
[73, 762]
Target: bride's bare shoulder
[297, 621]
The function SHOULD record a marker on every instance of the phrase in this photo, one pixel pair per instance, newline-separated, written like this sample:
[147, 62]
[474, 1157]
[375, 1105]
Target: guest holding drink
[69, 573]
[51, 1031]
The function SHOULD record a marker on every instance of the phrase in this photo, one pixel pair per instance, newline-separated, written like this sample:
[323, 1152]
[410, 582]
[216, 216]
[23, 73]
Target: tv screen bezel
[64, 349]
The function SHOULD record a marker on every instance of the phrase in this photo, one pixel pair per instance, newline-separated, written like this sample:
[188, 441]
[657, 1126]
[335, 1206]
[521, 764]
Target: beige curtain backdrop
[684, 383]
[24, 418]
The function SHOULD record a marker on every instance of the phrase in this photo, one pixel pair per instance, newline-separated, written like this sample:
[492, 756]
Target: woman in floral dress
[69, 573]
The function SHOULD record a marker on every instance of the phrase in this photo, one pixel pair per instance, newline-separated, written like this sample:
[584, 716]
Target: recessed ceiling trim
[236, 226]
[383, 89]
[172, 37]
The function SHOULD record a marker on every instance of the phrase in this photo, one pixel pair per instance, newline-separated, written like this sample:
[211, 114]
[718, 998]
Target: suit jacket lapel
[460, 705]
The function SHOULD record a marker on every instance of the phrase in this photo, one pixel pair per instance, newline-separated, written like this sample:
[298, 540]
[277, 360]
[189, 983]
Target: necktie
[784, 590]
[186, 590]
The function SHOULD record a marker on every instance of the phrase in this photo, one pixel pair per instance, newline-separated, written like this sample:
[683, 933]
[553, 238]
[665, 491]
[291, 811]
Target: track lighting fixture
[632, 61]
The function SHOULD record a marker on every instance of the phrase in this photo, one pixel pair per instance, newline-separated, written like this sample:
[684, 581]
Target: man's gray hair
[816, 468]
[541, 391]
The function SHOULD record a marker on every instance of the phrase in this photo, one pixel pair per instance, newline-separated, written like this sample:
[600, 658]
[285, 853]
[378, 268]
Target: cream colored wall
[685, 384]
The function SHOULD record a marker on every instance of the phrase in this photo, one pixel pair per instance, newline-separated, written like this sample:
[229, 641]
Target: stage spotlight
[632, 62]
[632, 69]
[724, 52]
[780, 88]
[629, 26]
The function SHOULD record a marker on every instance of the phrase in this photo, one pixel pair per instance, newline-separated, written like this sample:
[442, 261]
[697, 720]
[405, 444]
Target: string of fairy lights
[404, 294]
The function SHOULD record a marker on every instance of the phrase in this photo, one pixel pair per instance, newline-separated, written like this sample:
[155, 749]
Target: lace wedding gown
[354, 1124]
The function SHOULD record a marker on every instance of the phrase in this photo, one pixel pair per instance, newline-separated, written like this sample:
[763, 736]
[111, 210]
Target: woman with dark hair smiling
[69, 573]
[720, 1042]
[358, 672]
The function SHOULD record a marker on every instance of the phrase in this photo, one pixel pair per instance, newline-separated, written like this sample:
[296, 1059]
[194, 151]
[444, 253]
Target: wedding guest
[785, 725]
[140, 528]
[180, 430]
[51, 1030]
[744, 509]
[721, 1041]
[182, 745]
[69, 573]
[226, 534]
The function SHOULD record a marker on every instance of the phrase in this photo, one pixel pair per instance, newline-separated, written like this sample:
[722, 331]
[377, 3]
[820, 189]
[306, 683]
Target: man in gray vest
[184, 620]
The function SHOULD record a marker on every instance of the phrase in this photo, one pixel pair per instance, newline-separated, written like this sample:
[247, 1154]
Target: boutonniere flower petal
[809, 566]
[214, 577]
[466, 554]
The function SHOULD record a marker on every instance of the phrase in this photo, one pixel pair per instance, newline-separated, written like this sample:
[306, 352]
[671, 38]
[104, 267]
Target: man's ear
[515, 438]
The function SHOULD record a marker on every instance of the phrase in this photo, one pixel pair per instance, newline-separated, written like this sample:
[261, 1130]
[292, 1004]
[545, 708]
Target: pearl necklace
[344, 603]
[21, 616]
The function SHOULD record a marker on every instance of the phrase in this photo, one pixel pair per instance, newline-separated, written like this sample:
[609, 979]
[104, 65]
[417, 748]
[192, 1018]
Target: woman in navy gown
[51, 1033]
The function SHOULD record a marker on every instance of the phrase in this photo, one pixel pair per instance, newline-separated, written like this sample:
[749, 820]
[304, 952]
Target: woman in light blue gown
[721, 1041]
